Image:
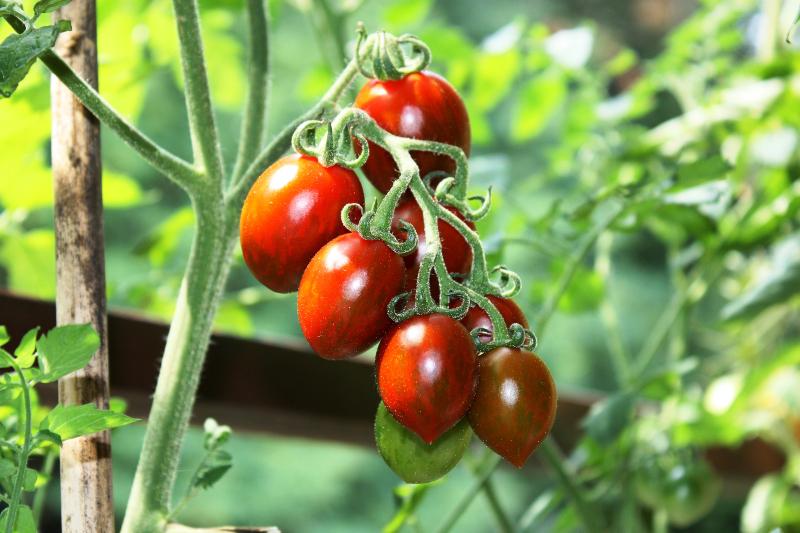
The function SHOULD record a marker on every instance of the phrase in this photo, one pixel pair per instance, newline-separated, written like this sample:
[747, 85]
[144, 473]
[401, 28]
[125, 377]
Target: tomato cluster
[435, 385]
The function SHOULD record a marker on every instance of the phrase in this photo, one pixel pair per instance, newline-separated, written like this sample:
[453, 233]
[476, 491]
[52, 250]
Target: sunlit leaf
[761, 511]
[781, 285]
[18, 53]
[30, 261]
[26, 349]
[77, 420]
[65, 349]
[538, 100]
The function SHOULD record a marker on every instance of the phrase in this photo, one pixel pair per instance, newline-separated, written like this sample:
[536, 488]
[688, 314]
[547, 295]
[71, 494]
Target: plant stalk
[184, 355]
[202, 125]
[24, 452]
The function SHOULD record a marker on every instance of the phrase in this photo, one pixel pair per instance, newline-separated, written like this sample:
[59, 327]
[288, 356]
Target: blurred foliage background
[646, 151]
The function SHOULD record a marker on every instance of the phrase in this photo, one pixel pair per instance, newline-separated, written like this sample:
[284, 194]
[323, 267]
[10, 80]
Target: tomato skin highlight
[515, 403]
[411, 458]
[425, 370]
[344, 293]
[291, 211]
[476, 317]
[422, 105]
[455, 250]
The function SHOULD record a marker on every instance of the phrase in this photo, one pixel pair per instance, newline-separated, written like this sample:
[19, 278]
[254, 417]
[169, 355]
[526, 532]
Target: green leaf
[762, 509]
[25, 352]
[539, 99]
[781, 285]
[699, 172]
[4, 337]
[7, 468]
[117, 404]
[19, 52]
[29, 482]
[608, 418]
[66, 349]
[77, 420]
[48, 6]
[401, 14]
[44, 436]
[24, 523]
[213, 472]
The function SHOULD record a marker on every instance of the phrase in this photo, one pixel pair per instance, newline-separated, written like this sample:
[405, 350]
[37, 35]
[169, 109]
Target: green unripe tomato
[413, 459]
[685, 489]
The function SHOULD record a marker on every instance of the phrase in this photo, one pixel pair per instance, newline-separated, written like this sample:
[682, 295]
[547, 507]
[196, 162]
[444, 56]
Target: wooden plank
[283, 388]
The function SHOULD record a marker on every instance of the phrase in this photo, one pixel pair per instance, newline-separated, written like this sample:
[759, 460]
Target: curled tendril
[442, 192]
[478, 334]
[346, 216]
[304, 138]
[364, 225]
[483, 209]
[518, 335]
[381, 54]
[405, 312]
[406, 246]
[509, 283]
[531, 340]
[455, 291]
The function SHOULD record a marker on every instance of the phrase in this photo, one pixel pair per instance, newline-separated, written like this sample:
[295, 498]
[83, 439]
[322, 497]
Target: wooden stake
[86, 502]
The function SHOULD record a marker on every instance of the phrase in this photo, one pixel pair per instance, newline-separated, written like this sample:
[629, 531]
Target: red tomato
[291, 211]
[421, 105]
[477, 317]
[344, 293]
[426, 373]
[515, 403]
[455, 249]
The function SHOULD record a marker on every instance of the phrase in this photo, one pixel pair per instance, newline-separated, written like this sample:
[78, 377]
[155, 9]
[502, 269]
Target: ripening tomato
[291, 211]
[413, 459]
[477, 317]
[426, 373]
[455, 250]
[421, 105]
[515, 403]
[344, 294]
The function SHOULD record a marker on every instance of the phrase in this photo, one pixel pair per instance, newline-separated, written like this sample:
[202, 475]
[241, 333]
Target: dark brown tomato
[422, 105]
[515, 403]
[455, 250]
[477, 317]
[291, 211]
[344, 294]
[426, 373]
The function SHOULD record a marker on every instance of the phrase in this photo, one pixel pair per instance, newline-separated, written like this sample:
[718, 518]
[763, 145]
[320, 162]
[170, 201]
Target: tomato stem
[330, 142]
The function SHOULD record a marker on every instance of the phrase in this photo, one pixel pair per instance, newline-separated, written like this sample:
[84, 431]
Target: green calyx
[383, 56]
[344, 141]
[413, 459]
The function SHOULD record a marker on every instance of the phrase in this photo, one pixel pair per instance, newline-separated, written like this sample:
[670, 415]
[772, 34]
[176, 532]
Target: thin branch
[476, 467]
[235, 196]
[175, 168]
[555, 458]
[255, 112]
[203, 126]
